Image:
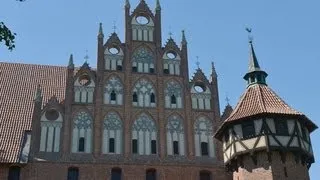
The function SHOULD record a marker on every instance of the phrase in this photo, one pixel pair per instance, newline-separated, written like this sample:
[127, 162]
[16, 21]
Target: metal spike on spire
[213, 70]
[158, 6]
[38, 96]
[197, 62]
[71, 64]
[114, 27]
[86, 57]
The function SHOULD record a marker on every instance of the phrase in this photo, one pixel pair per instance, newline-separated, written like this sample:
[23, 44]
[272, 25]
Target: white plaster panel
[88, 140]
[43, 138]
[140, 67]
[262, 142]
[239, 147]
[75, 139]
[177, 69]
[169, 144]
[107, 66]
[77, 96]
[194, 103]
[57, 139]
[181, 144]
[167, 101]
[151, 35]
[141, 142]
[139, 34]
[50, 139]
[207, 104]
[197, 144]
[105, 142]
[171, 69]
[134, 34]
[211, 147]
[90, 97]
[179, 102]
[146, 68]
[250, 142]
[147, 143]
[145, 35]
[201, 103]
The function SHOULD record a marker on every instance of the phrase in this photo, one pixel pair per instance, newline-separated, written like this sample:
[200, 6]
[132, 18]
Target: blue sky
[286, 38]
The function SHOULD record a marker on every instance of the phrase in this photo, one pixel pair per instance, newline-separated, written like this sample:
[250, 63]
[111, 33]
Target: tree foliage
[6, 35]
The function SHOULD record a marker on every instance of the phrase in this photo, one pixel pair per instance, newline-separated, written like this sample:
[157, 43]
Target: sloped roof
[259, 99]
[17, 90]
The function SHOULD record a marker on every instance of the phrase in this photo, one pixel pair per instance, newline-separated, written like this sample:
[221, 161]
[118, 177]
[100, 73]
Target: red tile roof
[259, 99]
[17, 90]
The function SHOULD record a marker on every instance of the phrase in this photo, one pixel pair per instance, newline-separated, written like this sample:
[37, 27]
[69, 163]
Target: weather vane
[227, 99]
[250, 37]
[86, 57]
[198, 63]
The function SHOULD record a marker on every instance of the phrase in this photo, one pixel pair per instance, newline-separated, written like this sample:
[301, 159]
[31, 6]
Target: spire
[158, 7]
[100, 35]
[213, 70]
[184, 40]
[70, 64]
[38, 96]
[127, 5]
[254, 75]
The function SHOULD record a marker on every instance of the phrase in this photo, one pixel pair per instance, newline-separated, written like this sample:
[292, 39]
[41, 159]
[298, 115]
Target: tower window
[81, 144]
[153, 147]
[281, 127]
[175, 147]
[204, 175]
[135, 97]
[151, 174]
[134, 146]
[204, 149]
[14, 173]
[119, 67]
[116, 174]
[252, 79]
[152, 98]
[151, 70]
[113, 96]
[111, 145]
[173, 99]
[73, 173]
[248, 129]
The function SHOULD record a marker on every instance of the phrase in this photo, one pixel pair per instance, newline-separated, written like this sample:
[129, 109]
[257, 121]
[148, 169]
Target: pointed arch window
[113, 91]
[175, 136]
[144, 135]
[173, 95]
[143, 60]
[112, 134]
[144, 94]
[82, 133]
[203, 137]
[134, 97]
[205, 175]
[73, 173]
[152, 98]
[14, 173]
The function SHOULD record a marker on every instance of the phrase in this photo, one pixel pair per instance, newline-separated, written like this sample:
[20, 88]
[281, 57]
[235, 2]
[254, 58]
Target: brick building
[136, 116]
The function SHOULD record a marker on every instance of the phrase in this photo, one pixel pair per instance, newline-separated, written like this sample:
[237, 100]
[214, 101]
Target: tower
[264, 138]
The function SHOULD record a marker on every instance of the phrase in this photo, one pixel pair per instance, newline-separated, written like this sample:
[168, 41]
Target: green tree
[6, 35]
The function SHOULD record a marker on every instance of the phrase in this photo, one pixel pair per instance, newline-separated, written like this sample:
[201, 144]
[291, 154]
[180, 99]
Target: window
[205, 175]
[14, 173]
[134, 146]
[134, 69]
[116, 174]
[175, 147]
[204, 149]
[113, 96]
[152, 98]
[248, 129]
[281, 127]
[153, 147]
[166, 71]
[119, 67]
[151, 70]
[135, 97]
[173, 99]
[73, 173]
[81, 144]
[151, 174]
[111, 145]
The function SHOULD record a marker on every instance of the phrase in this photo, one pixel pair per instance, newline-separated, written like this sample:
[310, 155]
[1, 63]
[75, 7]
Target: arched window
[200, 96]
[113, 56]
[51, 124]
[14, 173]
[203, 137]
[144, 136]
[144, 94]
[205, 175]
[173, 95]
[171, 63]
[112, 134]
[151, 174]
[73, 173]
[116, 174]
[175, 136]
[143, 61]
[113, 92]
[83, 89]
[82, 133]
[142, 28]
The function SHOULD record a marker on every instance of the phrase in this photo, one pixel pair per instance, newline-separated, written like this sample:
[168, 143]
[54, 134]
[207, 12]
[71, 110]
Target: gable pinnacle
[127, 5]
[158, 7]
[38, 97]
[184, 40]
[213, 70]
[253, 61]
[100, 30]
[70, 64]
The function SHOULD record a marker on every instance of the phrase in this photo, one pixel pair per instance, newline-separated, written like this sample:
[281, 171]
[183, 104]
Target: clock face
[142, 20]
[52, 114]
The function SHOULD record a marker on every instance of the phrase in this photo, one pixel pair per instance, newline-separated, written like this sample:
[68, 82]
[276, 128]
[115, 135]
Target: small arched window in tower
[173, 99]
[134, 97]
[116, 174]
[81, 144]
[14, 173]
[73, 173]
[113, 96]
[151, 174]
[152, 98]
[205, 175]
[204, 149]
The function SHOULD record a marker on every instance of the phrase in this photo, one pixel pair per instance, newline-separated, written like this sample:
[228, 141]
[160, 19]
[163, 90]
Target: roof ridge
[240, 102]
[32, 64]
